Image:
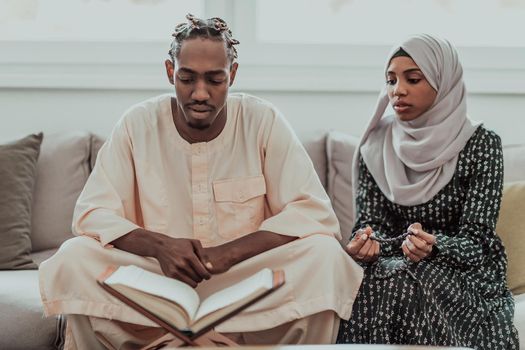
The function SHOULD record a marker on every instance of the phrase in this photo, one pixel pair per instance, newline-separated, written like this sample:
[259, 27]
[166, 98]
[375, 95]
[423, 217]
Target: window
[480, 23]
[341, 45]
[92, 20]
[286, 45]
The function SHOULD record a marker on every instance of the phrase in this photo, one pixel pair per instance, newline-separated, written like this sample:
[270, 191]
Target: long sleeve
[465, 248]
[374, 209]
[298, 203]
[107, 208]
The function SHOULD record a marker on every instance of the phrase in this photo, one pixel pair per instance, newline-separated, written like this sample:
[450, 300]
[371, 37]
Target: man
[207, 188]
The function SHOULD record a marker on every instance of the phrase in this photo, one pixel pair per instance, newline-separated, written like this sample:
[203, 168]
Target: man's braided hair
[214, 28]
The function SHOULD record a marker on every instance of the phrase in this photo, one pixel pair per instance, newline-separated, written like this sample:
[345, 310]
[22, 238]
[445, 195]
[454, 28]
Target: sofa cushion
[39, 257]
[22, 322]
[514, 162]
[315, 145]
[17, 178]
[511, 229]
[340, 148]
[62, 171]
[96, 143]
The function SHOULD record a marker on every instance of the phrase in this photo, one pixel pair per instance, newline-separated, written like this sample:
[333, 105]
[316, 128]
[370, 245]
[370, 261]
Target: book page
[261, 280]
[164, 309]
[152, 283]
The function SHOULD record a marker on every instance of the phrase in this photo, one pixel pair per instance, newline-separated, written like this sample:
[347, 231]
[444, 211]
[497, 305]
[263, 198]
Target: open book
[178, 304]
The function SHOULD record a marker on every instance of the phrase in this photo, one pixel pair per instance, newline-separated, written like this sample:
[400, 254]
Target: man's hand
[186, 260]
[419, 244]
[179, 258]
[221, 258]
[362, 248]
[182, 259]
[217, 260]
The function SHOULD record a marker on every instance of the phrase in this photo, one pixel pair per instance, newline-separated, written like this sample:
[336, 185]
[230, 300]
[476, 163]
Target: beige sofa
[62, 169]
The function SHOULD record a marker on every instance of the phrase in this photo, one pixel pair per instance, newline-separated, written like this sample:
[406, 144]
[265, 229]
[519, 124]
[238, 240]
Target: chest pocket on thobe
[239, 205]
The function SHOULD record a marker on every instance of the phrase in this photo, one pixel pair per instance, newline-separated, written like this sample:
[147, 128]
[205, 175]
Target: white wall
[28, 110]
[54, 81]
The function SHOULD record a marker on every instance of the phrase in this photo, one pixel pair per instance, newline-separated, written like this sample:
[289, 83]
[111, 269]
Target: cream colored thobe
[255, 175]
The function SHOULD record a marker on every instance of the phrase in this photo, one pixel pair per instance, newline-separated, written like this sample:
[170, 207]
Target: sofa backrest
[315, 144]
[340, 154]
[66, 160]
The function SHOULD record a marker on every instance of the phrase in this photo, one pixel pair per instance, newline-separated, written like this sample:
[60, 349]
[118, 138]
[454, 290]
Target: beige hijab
[411, 161]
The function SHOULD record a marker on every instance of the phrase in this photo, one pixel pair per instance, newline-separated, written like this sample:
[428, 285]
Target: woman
[427, 202]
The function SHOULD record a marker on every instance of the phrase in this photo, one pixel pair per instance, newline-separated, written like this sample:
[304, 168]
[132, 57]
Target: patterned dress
[458, 296]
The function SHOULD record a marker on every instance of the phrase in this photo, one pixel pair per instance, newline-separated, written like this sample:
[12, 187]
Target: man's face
[202, 77]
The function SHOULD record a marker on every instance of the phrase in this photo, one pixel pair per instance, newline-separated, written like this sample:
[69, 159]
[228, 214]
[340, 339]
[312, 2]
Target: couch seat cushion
[22, 323]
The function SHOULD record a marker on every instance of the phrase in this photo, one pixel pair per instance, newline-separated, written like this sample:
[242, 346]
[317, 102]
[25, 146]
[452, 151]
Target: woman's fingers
[418, 231]
[367, 230]
[367, 251]
[416, 248]
[427, 237]
[415, 226]
[361, 247]
[373, 252]
[357, 242]
[377, 250]
[363, 252]
[420, 245]
[408, 253]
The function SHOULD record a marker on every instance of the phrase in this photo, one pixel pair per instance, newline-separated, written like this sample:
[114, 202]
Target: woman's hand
[419, 244]
[362, 248]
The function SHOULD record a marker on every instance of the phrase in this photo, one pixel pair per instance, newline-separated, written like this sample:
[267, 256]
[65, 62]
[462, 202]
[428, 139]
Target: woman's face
[409, 92]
